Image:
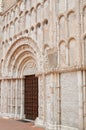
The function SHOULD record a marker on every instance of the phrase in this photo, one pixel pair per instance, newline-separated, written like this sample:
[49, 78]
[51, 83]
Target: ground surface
[10, 124]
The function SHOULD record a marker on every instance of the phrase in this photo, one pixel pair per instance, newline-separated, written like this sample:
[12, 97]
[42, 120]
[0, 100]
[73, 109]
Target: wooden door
[31, 97]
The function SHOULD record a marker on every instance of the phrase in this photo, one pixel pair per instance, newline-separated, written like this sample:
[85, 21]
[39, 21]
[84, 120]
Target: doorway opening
[31, 97]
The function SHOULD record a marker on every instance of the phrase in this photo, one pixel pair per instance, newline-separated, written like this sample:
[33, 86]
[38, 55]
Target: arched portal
[20, 66]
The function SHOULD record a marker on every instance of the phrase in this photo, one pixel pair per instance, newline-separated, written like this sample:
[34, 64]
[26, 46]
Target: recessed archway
[20, 64]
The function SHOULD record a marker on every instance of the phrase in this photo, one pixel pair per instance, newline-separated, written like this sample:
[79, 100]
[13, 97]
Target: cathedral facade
[42, 62]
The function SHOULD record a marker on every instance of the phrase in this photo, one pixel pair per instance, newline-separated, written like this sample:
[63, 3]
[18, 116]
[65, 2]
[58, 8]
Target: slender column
[84, 100]
[22, 100]
[16, 107]
[59, 103]
[67, 56]
[11, 97]
[2, 96]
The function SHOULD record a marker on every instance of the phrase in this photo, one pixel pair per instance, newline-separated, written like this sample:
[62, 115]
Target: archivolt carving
[22, 50]
[19, 70]
[29, 67]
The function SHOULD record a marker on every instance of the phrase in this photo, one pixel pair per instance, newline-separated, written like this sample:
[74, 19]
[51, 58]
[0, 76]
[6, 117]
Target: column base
[39, 122]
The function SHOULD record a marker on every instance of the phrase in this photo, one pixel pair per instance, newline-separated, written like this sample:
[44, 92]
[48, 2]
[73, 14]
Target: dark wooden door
[31, 97]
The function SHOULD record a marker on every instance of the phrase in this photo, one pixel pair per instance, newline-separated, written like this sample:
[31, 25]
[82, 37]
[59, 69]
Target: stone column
[16, 106]
[2, 96]
[11, 97]
[84, 99]
[22, 99]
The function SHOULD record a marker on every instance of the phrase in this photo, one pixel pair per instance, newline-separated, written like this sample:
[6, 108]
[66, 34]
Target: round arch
[20, 52]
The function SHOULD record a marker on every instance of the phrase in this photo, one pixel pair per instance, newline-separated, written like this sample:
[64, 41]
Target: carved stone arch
[39, 31]
[62, 53]
[15, 58]
[46, 9]
[61, 41]
[37, 6]
[18, 57]
[72, 52]
[84, 18]
[39, 12]
[31, 65]
[62, 25]
[45, 31]
[23, 63]
[23, 41]
[70, 12]
[11, 29]
[71, 23]
[45, 47]
[33, 16]
[16, 10]
[15, 65]
[32, 9]
[59, 16]
[16, 23]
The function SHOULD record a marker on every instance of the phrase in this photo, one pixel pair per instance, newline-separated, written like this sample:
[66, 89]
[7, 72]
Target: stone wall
[46, 38]
[69, 100]
[8, 3]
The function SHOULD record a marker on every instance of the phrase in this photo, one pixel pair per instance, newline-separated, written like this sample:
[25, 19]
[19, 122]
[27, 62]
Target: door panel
[31, 97]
